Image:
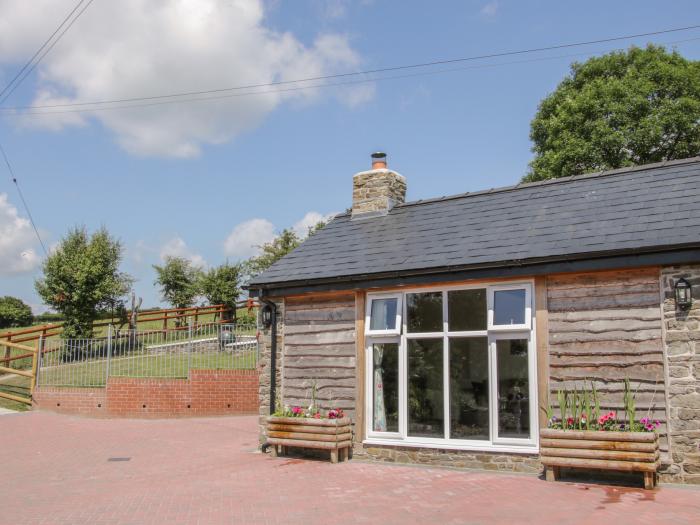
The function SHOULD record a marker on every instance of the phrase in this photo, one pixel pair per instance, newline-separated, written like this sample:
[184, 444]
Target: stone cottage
[442, 326]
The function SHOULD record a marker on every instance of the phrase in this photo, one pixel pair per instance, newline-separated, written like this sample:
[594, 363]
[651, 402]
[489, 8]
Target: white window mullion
[493, 391]
[445, 368]
[403, 376]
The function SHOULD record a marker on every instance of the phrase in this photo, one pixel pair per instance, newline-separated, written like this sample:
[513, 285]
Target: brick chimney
[376, 191]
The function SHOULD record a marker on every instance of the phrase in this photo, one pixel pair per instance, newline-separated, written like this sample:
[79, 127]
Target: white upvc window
[383, 315]
[460, 371]
[509, 307]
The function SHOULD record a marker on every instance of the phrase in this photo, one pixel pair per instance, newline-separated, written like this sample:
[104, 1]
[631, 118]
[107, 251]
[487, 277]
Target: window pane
[509, 307]
[424, 312]
[513, 388]
[385, 381]
[383, 315]
[466, 310]
[469, 388]
[425, 394]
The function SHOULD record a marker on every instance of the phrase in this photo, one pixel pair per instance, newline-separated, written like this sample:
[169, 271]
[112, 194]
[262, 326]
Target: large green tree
[222, 285]
[14, 312]
[81, 278]
[621, 109]
[179, 281]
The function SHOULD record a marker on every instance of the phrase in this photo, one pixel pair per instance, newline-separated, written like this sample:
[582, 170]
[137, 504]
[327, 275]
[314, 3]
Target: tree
[621, 109]
[280, 246]
[222, 285]
[178, 281]
[82, 277]
[273, 251]
[14, 312]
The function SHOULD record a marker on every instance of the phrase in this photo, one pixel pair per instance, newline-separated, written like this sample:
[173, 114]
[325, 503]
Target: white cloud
[17, 241]
[490, 9]
[136, 48]
[245, 238]
[177, 247]
[310, 220]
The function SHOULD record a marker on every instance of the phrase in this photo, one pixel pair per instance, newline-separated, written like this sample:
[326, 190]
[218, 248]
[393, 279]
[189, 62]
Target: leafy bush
[14, 312]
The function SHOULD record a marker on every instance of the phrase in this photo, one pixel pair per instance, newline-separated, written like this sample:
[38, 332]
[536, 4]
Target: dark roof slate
[641, 208]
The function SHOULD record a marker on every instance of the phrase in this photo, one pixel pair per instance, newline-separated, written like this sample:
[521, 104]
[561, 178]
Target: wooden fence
[20, 340]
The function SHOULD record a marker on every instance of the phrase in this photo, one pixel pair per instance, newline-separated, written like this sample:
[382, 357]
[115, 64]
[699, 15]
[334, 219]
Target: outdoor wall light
[266, 316]
[684, 294]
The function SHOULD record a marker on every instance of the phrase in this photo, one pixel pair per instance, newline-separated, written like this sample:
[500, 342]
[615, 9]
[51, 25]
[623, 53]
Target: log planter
[334, 435]
[588, 449]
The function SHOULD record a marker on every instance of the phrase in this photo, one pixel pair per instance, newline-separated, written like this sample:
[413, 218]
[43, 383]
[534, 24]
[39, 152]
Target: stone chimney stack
[376, 191]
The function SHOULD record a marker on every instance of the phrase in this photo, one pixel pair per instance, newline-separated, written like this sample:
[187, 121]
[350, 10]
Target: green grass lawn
[101, 331]
[171, 365]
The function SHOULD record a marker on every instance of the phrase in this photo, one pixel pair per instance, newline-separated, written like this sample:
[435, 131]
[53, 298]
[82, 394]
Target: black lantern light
[684, 294]
[266, 316]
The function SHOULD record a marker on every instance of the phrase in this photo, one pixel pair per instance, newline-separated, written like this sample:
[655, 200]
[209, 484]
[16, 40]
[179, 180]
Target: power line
[46, 42]
[317, 86]
[29, 66]
[24, 202]
[355, 73]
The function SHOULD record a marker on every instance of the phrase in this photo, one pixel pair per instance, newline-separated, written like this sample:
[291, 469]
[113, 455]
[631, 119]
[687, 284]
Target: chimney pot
[379, 160]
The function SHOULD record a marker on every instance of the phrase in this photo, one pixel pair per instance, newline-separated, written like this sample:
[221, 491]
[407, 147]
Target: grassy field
[18, 386]
[93, 373]
[101, 331]
[175, 365]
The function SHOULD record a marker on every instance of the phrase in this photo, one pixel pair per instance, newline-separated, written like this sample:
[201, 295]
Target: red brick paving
[205, 471]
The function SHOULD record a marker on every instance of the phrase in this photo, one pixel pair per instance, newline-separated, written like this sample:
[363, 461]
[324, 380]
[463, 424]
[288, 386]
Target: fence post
[35, 364]
[109, 352]
[189, 350]
[7, 351]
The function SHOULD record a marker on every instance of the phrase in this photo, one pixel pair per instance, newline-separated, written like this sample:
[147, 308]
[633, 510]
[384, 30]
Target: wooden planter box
[621, 451]
[334, 435]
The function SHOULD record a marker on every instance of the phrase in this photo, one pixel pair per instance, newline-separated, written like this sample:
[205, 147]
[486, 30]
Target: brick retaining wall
[205, 393]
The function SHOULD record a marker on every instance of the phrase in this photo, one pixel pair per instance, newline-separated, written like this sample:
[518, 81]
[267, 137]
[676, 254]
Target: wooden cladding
[319, 349]
[604, 327]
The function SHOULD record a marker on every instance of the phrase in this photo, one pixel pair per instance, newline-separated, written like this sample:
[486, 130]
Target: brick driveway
[55, 470]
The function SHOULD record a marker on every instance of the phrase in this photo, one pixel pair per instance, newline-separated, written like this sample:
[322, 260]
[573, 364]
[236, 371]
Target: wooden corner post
[542, 338]
[360, 366]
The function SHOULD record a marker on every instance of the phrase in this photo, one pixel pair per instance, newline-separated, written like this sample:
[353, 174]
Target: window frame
[491, 303]
[493, 334]
[368, 314]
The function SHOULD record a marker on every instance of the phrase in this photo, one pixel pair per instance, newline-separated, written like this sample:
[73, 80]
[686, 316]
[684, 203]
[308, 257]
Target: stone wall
[451, 458]
[377, 191]
[682, 343]
[265, 354]
[204, 393]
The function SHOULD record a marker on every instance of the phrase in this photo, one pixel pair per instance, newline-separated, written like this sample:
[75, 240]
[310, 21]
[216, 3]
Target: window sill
[528, 449]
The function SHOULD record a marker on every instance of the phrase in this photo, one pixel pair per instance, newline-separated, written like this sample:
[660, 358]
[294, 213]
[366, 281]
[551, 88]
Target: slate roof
[633, 209]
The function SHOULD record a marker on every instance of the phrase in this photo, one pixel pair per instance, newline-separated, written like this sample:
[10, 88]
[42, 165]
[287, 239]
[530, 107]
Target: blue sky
[180, 178]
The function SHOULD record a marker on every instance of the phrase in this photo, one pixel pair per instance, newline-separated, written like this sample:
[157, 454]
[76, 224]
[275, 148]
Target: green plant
[222, 285]
[14, 312]
[179, 282]
[81, 278]
[580, 410]
[624, 108]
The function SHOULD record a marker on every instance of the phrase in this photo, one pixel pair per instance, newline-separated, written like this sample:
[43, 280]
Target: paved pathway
[57, 470]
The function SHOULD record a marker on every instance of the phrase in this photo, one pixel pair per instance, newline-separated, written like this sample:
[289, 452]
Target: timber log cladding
[319, 350]
[621, 451]
[605, 327]
[334, 435]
